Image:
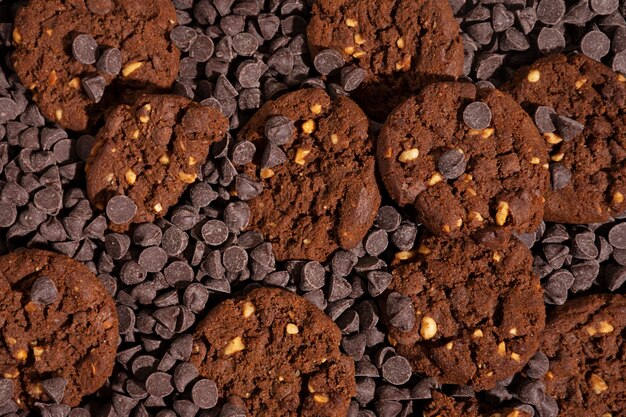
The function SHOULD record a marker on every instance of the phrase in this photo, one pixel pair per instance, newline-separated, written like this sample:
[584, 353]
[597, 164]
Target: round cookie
[402, 45]
[275, 354]
[584, 340]
[466, 158]
[586, 135]
[466, 313]
[59, 328]
[150, 152]
[318, 172]
[444, 405]
[49, 36]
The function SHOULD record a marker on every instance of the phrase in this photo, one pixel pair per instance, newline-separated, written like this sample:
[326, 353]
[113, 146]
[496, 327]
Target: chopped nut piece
[408, 155]
[148, 107]
[400, 43]
[459, 222]
[388, 153]
[513, 331]
[487, 133]
[435, 179]
[446, 228]
[557, 157]
[164, 159]
[334, 139]
[157, 208]
[472, 192]
[515, 357]
[234, 346]
[579, 84]
[513, 413]
[351, 23]
[52, 77]
[75, 83]
[423, 250]
[308, 127]
[144, 119]
[17, 36]
[348, 50]
[405, 255]
[187, 178]
[248, 309]
[320, 398]
[37, 390]
[533, 76]
[130, 176]
[550, 375]
[359, 54]
[11, 374]
[552, 138]
[11, 341]
[306, 241]
[621, 78]
[475, 216]
[266, 173]
[316, 108]
[292, 329]
[535, 161]
[428, 328]
[58, 114]
[405, 64]
[501, 348]
[597, 384]
[191, 161]
[618, 197]
[130, 68]
[300, 155]
[358, 39]
[605, 327]
[21, 355]
[497, 257]
[502, 213]
[478, 333]
[449, 345]
[591, 331]
[310, 388]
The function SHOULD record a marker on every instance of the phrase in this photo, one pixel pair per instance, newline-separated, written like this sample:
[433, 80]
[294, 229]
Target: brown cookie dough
[325, 195]
[444, 405]
[57, 321]
[584, 340]
[478, 311]
[277, 354]
[401, 44]
[150, 152]
[44, 33]
[590, 93]
[462, 179]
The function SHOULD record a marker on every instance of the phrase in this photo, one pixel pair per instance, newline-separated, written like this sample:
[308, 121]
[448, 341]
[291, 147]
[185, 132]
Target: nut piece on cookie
[147, 154]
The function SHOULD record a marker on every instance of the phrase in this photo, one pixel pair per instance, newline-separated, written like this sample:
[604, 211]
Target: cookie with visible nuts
[444, 405]
[317, 167]
[461, 179]
[150, 152]
[59, 44]
[59, 328]
[475, 315]
[275, 354]
[584, 340]
[402, 45]
[586, 141]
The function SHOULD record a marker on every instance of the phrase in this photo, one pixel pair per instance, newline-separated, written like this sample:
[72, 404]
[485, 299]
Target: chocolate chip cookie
[275, 354]
[401, 44]
[579, 104]
[76, 56]
[316, 163]
[584, 340]
[59, 328]
[146, 155]
[466, 158]
[444, 405]
[466, 313]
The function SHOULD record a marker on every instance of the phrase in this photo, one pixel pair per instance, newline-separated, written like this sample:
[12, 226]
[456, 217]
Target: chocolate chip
[388, 218]
[84, 49]
[617, 236]
[243, 153]
[6, 391]
[595, 45]
[396, 370]
[328, 60]
[272, 156]
[312, 276]
[561, 176]
[120, 209]
[604, 7]
[550, 12]
[352, 77]
[481, 32]
[477, 115]
[376, 242]
[204, 394]
[116, 245]
[585, 273]
[8, 214]
[354, 346]
[159, 384]
[400, 311]
[278, 130]
[502, 19]
[43, 291]
[8, 109]
[537, 366]
[183, 37]
[550, 40]
[545, 119]
[282, 61]
[568, 128]
[584, 246]
[110, 61]
[246, 188]
[174, 241]
[377, 282]
[404, 237]
[94, 87]
[452, 163]
[557, 286]
[614, 276]
[513, 40]
[365, 391]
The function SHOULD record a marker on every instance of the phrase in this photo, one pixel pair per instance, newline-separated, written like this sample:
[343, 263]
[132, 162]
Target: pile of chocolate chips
[164, 276]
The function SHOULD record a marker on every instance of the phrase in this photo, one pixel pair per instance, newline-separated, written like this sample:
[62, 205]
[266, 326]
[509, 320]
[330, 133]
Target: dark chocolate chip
[550, 12]
[561, 176]
[400, 311]
[312, 276]
[272, 156]
[204, 394]
[396, 370]
[44, 291]
[278, 130]
[327, 61]
[6, 391]
[174, 241]
[568, 128]
[477, 115]
[120, 209]
[377, 282]
[537, 366]
[452, 163]
[110, 62]
[604, 7]
[85, 49]
[595, 45]
[159, 384]
[545, 119]
[94, 87]
[502, 19]
[352, 77]
[183, 37]
[8, 109]
[557, 286]
[614, 276]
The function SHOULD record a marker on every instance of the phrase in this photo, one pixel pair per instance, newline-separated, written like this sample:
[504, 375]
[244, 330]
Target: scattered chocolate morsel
[110, 61]
[54, 388]
[561, 176]
[569, 128]
[595, 45]
[120, 209]
[43, 291]
[328, 60]
[278, 130]
[94, 87]
[396, 370]
[477, 115]
[452, 164]
[85, 49]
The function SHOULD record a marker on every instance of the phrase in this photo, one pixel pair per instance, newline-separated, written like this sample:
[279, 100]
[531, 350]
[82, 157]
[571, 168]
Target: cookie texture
[478, 311]
[57, 321]
[584, 340]
[444, 405]
[401, 44]
[46, 55]
[462, 179]
[275, 354]
[325, 195]
[592, 161]
[151, 151]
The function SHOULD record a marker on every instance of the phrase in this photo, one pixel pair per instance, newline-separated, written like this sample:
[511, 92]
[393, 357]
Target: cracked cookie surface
[590, 93]
[43, 35]
[150, 152]
[401, 44]
[57, 321]
[479, 311]
[325, 195]
[584, 340]
[463, 179]
[444, 405]
[273, 353]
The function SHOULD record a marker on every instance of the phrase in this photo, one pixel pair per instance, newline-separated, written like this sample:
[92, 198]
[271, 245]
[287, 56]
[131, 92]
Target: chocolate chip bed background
[165, 276]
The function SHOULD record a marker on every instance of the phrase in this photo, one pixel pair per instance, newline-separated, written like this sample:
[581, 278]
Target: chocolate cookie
[59, 328]
[466, 158]
[444, 405]
[147, 154]
[316, 163]
[466, 313]
[275, 354]
[76, 56]
[585, 340]
[402, 45]
[580, 106]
